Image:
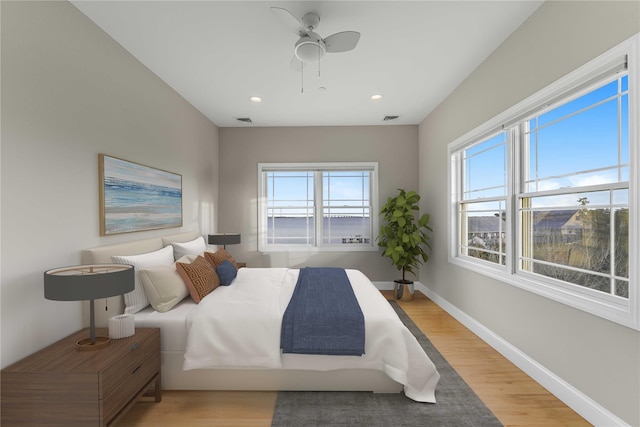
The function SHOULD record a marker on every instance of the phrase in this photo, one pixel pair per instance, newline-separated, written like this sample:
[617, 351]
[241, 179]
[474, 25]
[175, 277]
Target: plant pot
[403, 290]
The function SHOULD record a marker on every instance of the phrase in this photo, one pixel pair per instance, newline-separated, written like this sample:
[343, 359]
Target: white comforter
[238, 326]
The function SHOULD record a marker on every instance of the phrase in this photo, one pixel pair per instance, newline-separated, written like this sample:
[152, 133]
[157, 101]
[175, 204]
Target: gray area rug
[457, 405]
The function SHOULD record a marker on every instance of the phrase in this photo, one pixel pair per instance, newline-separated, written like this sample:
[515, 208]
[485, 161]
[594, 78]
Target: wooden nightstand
[61, 386]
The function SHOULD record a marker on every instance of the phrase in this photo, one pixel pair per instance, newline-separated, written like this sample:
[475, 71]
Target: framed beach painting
[134, 197]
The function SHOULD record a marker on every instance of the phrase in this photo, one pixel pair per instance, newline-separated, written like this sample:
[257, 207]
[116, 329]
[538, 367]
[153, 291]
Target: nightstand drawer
[117, 400]
[138, 352]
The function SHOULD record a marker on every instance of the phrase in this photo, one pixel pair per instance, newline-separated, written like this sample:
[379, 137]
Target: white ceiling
[217, 54]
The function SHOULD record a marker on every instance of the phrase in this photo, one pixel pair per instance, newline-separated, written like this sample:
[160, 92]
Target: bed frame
[174, 378]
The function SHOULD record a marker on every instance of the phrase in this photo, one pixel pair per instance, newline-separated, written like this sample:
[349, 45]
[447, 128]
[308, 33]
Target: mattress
[172, 324]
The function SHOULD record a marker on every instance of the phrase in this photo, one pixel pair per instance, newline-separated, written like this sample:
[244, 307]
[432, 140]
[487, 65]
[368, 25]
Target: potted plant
[405, 240]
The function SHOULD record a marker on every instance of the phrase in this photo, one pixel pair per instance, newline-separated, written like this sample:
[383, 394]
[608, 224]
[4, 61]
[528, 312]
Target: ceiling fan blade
[292, 23]
[295, 64]
[342, 42]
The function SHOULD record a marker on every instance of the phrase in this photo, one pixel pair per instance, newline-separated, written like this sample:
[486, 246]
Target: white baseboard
[572, 397]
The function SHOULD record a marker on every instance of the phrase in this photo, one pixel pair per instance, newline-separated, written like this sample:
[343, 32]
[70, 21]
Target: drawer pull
[135, 370]
[136, 346]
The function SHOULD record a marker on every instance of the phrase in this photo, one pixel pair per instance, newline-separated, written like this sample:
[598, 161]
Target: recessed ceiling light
[255, 99]
[376, 97]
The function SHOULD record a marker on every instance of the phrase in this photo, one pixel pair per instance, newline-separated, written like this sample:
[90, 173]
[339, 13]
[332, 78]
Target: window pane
[583, 142]
[346, 229]
[485, 168]
[346, 207]
[621, 242]
[289, 189]
[346, 188]
[622, 288]
[556, 236]
[290, 201]
[484, 231]
[573, 238]
[624, 131]
[621, 197]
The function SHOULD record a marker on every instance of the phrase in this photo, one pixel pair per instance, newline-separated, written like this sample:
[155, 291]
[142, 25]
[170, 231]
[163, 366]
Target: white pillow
[136, 300]
[194, 247]
[163, 285]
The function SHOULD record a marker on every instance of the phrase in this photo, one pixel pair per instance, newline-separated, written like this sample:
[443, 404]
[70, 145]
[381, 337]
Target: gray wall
[598, 357]
[394, 147]
[70, 92]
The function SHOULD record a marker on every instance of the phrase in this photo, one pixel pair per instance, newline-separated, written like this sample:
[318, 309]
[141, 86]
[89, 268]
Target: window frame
[505, 197]
[317, 167]
[622, 311]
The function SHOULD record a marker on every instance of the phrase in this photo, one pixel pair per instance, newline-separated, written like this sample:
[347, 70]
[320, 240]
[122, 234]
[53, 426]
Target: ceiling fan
[310, 47]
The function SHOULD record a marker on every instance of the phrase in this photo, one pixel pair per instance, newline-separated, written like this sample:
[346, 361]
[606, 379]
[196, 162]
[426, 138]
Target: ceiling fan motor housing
[310, 48]
[310, 21]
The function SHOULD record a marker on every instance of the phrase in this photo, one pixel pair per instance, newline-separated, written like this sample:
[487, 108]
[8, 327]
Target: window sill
[608, 307]
[313, 249]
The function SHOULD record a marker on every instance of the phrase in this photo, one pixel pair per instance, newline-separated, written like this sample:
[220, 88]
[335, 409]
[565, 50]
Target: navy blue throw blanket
[323, 316]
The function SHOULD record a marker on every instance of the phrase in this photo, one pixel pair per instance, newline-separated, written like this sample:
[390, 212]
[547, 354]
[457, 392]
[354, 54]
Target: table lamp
[224, 239]
[89, 282]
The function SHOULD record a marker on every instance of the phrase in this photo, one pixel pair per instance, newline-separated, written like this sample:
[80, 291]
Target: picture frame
[135, 197]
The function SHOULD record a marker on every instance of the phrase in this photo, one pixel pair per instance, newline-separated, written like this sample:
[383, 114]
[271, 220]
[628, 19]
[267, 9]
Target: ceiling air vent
[389, 118]
[244, 119]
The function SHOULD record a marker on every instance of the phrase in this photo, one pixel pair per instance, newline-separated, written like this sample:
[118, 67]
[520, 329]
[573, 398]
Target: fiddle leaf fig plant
[404, 238]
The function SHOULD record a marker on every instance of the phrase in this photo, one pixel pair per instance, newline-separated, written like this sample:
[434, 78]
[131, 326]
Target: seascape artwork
[135, 197]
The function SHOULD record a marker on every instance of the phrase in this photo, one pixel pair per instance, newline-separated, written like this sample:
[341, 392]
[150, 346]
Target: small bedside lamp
[224, 239]
[89, 282]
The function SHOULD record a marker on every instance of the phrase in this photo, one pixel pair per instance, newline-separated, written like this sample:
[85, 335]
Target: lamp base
[85, 344]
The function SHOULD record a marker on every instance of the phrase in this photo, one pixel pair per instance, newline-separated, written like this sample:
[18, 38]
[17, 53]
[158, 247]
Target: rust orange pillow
[199, 276]
[216, 258]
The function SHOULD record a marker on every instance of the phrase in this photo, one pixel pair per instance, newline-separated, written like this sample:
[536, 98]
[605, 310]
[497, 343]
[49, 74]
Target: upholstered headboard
[103, 254]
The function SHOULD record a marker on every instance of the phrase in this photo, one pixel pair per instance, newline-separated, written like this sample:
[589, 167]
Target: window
[484, 196]
[544, 196]
[320, 206]
[574, 206]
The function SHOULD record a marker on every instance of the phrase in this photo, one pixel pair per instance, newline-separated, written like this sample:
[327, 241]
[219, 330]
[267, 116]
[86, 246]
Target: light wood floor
[511, 395]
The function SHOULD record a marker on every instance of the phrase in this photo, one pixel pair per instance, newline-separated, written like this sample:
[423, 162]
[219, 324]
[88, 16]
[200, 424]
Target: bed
[393, 360]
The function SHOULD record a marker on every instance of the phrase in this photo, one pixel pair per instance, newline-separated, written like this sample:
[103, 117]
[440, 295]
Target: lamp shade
[87, 282]
[224, 239]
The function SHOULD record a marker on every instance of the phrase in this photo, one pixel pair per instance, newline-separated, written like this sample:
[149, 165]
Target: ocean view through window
[319, 206]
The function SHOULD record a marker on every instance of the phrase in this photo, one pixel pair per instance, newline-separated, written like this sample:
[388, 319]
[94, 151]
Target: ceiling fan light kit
[310, 46]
